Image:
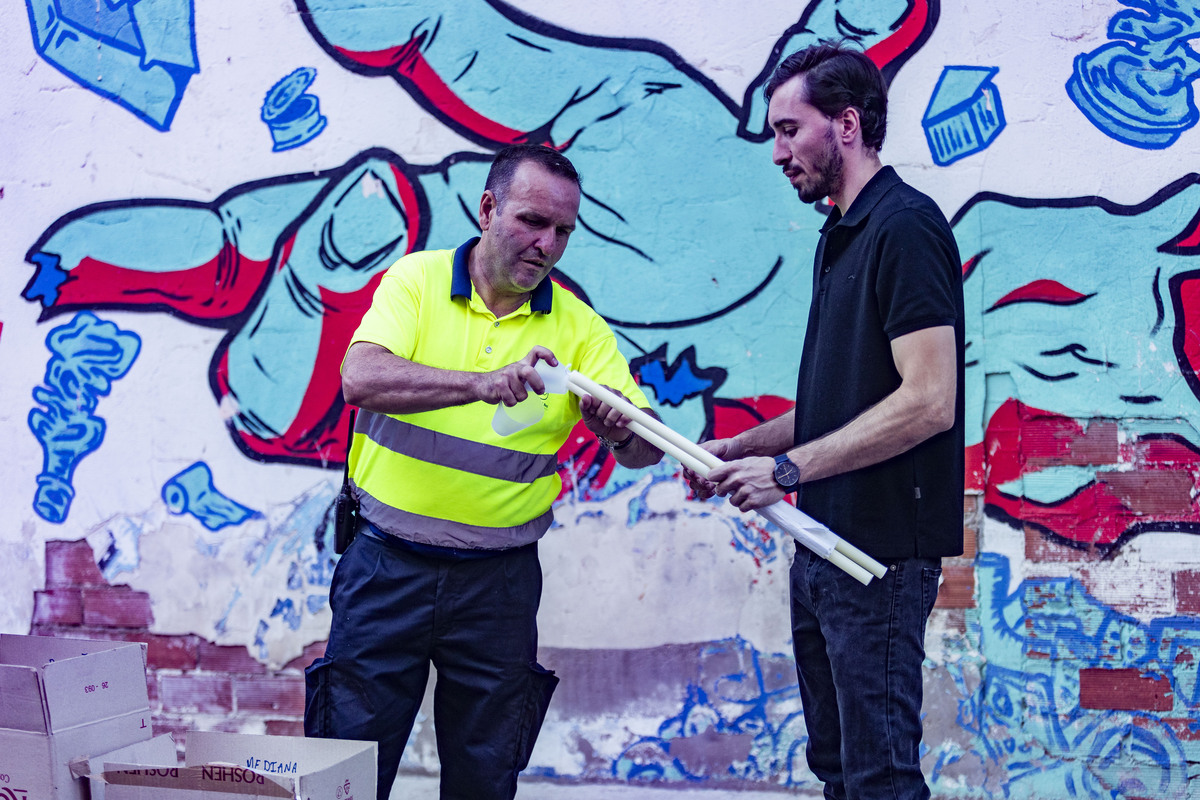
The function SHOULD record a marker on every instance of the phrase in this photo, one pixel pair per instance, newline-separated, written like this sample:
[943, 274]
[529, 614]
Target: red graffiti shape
[1140, 483]
[906, 35]
[219, 288]
[410, 65]
[1041, 291]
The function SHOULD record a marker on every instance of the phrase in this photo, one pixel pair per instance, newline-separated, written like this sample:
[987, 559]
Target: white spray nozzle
[509, 419]
[555, 378]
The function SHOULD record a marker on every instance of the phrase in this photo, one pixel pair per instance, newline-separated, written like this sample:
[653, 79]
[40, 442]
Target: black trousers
[395, 612]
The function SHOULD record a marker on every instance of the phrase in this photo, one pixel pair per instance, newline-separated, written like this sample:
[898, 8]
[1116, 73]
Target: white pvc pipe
[803, 528]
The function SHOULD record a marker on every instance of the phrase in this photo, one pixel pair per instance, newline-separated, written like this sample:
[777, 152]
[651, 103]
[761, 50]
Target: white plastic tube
[801, 527]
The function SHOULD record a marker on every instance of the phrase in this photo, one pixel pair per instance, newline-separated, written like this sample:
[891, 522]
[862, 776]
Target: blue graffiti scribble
[1138, 89]
[138, 53]
[122, 551]
[192, 492]
[1025, 716]
[293, 116]
[292, 540]
[677, 382]
[260, 640]
[287, 611]
[88, 354]
[745, 706]
[964, 114]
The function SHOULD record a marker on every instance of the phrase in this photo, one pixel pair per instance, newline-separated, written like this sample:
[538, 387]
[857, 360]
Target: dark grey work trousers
[395, 612]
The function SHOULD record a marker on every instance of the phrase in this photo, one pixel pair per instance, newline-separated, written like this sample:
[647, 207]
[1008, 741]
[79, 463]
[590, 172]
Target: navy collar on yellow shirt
[460, 283]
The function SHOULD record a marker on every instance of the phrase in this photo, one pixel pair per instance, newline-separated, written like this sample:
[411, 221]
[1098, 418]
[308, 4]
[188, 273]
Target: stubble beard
[828, 169]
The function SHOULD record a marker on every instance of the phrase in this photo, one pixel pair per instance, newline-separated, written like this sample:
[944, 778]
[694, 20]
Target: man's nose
[780, 154]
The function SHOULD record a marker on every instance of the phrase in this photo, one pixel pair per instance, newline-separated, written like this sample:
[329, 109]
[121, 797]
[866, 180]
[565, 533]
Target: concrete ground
[413, 787]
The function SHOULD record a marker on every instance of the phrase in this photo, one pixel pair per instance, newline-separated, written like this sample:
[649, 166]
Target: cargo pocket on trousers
[537, 700]
[316, 699]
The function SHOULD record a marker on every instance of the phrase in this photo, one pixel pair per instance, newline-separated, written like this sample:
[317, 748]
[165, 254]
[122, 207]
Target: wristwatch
[614, 445]
[787, 474]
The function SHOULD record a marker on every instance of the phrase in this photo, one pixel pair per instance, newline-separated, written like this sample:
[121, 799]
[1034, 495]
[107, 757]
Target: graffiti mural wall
[198, 200]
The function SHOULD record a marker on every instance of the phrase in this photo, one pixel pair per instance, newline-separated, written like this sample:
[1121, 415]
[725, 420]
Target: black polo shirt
[890, 266]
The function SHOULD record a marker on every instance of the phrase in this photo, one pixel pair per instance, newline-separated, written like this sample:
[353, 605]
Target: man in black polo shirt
[874, 446]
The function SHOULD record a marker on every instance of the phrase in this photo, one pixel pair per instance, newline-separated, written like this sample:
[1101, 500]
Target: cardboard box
[231, 766]
[159, 751]
[61, 699]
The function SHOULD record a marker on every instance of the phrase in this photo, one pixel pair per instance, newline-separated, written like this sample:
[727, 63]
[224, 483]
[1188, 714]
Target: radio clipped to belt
[345, 506]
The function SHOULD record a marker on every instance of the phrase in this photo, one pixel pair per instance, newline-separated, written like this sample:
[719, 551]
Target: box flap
[275, 755]
[157, 752]
[219, 779]
[353, 778]
[104, 684]
[37, 651]
[21, 705]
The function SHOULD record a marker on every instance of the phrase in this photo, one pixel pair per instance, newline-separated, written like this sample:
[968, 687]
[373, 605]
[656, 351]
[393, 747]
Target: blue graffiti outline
[736, 703]
[1138, 89]
[87, 355]
[1025, 716]
[146, 47]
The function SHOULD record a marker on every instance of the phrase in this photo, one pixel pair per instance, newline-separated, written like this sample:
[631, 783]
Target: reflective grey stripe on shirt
[444, 533]
[451, 451]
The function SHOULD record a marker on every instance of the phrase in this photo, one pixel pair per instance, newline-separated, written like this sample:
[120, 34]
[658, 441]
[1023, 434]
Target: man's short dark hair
[837, 77]
[505, 164]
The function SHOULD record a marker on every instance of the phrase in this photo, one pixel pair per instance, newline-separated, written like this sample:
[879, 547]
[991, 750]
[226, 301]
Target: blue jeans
[859, 651]
[395, 612]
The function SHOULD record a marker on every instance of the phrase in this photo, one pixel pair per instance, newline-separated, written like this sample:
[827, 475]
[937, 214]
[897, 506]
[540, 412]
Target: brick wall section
[958, 574]
[1124, 690]
[192, 683]
[1187, 592]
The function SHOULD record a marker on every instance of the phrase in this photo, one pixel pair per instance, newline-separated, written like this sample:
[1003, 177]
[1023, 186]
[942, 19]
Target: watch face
[787, 474]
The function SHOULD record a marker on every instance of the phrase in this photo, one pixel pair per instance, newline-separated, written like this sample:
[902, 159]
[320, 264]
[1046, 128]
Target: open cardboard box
[225, 766]
[61, 699]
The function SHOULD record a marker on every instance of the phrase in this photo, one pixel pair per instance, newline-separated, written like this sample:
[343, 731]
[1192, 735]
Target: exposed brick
[117, 607]
[232, 659]
[171, 652]
[1185, 729]
[58, 607]
[1124, 690]
[1161, 492]
[162, 652]
[285, 727]
[1187, 591]
[196, 693]
[71, 564]
[277, 695]
[958, 587]
[1039, 546]
[970, 542]
[310, 654]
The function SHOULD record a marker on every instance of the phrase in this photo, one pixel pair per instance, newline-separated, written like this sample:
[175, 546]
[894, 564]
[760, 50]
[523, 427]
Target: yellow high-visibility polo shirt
[445, 477]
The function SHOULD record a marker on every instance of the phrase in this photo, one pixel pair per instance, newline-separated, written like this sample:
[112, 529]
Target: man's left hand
[602, 419]
[749, 482]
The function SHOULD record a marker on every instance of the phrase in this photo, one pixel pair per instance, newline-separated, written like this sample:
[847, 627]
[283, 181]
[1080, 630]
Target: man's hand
[724, 449]
[749, 482]
[507, 384]
[602, 419]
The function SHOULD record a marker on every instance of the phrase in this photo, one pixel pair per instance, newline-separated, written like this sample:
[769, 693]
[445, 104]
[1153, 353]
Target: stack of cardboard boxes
[75, 724]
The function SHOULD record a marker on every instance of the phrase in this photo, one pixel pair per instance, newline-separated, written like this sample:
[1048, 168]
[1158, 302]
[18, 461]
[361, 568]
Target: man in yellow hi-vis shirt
[444, 568]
